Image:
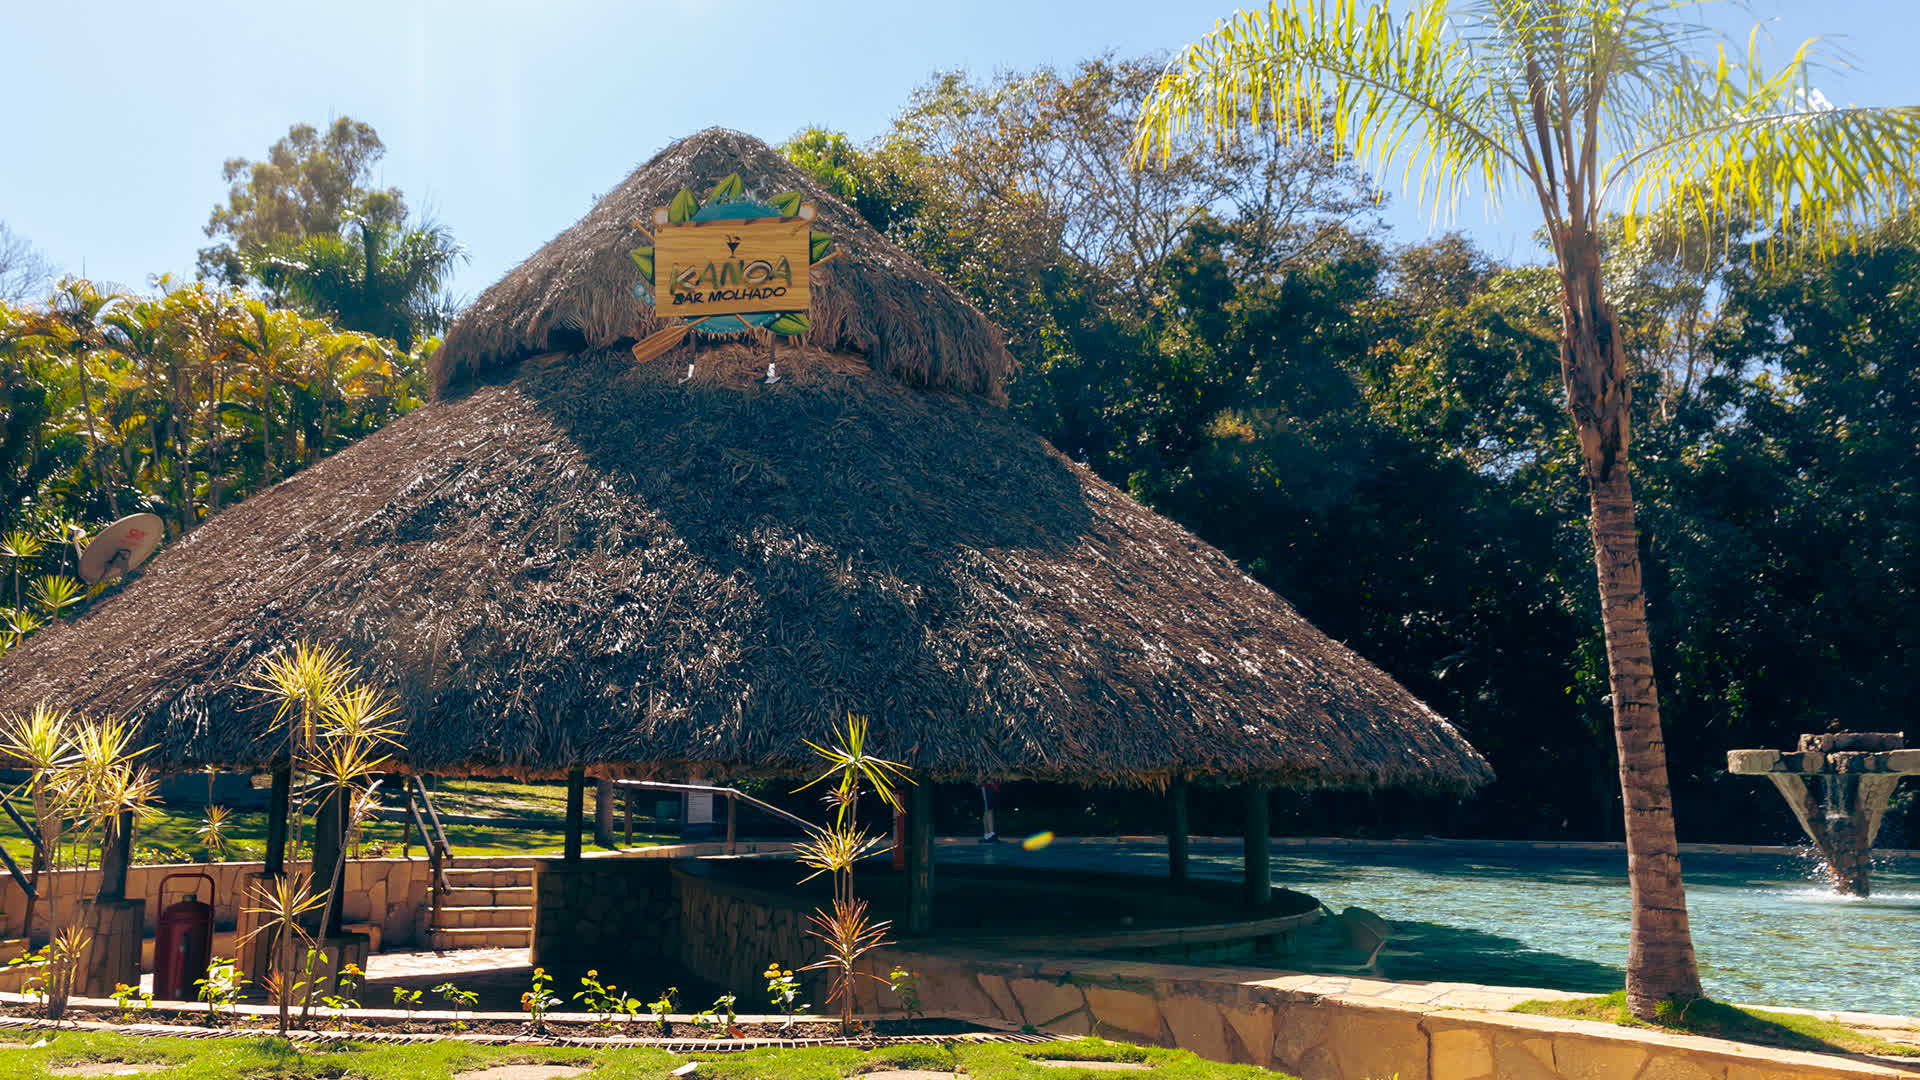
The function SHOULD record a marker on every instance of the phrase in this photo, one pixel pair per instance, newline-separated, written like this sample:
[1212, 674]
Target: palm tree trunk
[93, 432]
[1660, 960]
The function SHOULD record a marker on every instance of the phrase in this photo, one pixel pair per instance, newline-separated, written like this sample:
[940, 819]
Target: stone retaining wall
[730, 933]
[1330, 1028]
[619, 916]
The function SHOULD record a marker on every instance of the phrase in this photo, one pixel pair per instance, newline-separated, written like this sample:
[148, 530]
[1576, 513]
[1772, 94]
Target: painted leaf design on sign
[792, 322]
[788, 203]
[682, 208]
[643, 258]
[730, 188]
[818, 245]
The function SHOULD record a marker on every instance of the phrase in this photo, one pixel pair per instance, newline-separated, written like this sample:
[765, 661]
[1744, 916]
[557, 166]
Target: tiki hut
[572, 559]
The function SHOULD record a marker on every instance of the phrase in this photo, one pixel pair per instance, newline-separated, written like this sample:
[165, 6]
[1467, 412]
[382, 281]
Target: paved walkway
[499, 976]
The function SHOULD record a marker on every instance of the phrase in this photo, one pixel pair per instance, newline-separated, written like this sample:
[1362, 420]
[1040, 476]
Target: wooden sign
[731, 267]
[729, 263]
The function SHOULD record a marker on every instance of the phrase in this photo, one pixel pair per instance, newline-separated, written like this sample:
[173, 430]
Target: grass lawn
[258, 1058]
[1786, 1030]
[537, 814]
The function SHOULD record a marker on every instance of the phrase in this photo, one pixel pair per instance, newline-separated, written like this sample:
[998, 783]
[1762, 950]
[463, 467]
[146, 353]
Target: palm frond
[1739, 144]
[1390, 91]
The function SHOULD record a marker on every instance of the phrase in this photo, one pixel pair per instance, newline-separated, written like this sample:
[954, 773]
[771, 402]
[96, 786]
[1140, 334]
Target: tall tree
[1585, 105]
[311, 183]
[377, 278]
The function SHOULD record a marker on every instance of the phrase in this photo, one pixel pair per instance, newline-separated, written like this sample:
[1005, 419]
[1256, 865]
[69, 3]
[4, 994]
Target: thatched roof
[591, 563]
[872, 299]
[579, 559]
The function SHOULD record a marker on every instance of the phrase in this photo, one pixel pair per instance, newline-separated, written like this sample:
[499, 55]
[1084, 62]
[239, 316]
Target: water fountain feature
[1838, 786]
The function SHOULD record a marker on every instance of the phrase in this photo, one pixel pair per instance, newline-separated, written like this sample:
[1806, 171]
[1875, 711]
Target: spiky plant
[212, 830]
[57, 592]
[40, 740]
[835, 849]
[303, 681]
[20, 547]
[284, 903]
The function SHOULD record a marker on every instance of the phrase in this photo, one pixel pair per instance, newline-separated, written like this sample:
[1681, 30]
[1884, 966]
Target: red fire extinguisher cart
[182, 942]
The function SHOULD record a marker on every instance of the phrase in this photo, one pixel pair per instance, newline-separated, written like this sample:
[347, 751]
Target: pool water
[1766, 930]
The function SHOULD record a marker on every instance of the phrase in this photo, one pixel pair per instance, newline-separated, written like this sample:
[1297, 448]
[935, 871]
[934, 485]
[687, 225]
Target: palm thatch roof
[583, 560]
[873, 299]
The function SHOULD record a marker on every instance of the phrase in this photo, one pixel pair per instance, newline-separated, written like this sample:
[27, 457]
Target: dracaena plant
[836, 848]
[335, 734]
[83, 778]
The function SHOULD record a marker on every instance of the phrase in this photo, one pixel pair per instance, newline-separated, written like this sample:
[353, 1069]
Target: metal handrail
[33, 834]
[438, 850]
[734, 794]
[18, 878]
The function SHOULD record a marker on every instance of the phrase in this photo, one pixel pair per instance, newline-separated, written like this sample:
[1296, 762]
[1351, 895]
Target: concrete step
[509, 895]
[491, 917]
[489, 877]
[481, 937]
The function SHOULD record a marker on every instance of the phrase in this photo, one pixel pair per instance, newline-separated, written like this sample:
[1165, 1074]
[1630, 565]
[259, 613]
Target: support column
[733, 819]
[113, 922]
[1177, 828]
[1259, 851]
[920, 859]
[277, 821]
[115, 858]
[576, 806]
[329, 838]
[603, 812]
[256, 950]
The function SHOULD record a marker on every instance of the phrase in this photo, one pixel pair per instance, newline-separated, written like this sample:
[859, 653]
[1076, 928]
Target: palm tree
[267, 341]
[74, 317]
[376, 278]
[1592, 107]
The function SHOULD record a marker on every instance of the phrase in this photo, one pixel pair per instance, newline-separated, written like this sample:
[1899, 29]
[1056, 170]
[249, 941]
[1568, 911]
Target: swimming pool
[1766, 930]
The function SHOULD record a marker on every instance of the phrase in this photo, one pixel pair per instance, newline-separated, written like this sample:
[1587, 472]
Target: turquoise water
[1766, 931]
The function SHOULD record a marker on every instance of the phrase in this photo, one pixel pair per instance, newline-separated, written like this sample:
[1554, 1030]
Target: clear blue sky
[508, 120]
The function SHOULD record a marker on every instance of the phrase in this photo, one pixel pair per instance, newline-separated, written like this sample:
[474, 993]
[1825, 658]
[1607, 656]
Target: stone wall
[389, 893]
[616, 915]
[1330, 1028]
[730, 933]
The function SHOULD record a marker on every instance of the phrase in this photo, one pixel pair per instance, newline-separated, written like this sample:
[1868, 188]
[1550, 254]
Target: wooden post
[1177, 828]
[277, 820]
[733, 815]
[329, 837]
[920, 859]
[116, 858]
[1259, 852]
[603, 811]
[576, 806]
[627, 803]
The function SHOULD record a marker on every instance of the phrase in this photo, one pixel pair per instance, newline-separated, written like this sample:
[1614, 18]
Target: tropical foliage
[1377, 432]
[1589, 107]
[175, 402]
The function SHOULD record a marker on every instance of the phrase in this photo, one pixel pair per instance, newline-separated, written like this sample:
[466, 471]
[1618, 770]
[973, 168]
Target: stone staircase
[485, 907]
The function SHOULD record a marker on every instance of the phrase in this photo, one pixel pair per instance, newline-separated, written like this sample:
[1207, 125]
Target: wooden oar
[656, 344]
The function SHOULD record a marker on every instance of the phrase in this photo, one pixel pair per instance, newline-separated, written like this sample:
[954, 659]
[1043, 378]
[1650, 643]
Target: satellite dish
[120, 547]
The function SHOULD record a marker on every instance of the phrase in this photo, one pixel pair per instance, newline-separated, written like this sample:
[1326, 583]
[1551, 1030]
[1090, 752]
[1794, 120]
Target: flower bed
[680, 1029]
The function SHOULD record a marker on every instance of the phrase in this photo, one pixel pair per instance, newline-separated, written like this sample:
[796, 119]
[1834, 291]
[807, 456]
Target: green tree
[377, 278]
[311, 183]
[1584, 105]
